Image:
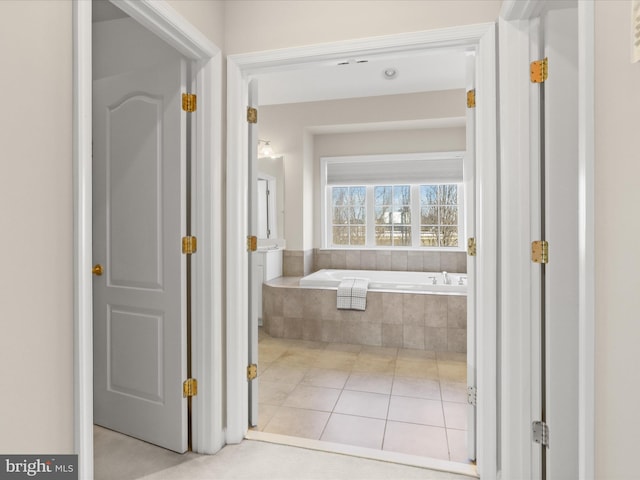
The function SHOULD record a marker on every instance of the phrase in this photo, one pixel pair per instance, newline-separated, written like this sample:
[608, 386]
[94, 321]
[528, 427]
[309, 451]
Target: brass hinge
[252, 371]
[189, 102]
[252, 115]
[189, 245]
[539, 70]
[252, 243]
[471, 98]
[190, 388]
[540, 433]
[540, 251]
[471, 247]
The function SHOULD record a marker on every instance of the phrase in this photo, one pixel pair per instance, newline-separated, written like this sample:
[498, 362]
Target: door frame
[159, 18]
[239, 69]
[520, 364]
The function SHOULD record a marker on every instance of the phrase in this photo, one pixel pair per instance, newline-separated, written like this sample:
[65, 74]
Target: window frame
[326, 203]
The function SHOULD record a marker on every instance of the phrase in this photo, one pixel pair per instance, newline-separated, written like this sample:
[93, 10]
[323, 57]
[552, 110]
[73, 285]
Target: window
[439, 215]
[393, 215]
[348, 225]
[393, 201]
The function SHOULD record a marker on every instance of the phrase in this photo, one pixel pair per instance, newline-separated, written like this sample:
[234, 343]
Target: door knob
[97, 270]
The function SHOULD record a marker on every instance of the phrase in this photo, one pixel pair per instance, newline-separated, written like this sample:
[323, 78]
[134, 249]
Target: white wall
[36, 245]
[617, 197]
[287, 126]
[255, 25]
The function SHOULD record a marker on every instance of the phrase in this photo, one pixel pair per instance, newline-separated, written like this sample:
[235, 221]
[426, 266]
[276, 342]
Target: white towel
[352, 294]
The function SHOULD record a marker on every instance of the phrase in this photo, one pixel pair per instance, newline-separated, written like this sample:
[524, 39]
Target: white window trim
[326, 202]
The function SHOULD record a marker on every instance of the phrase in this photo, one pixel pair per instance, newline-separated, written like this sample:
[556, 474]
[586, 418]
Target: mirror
[270, 201]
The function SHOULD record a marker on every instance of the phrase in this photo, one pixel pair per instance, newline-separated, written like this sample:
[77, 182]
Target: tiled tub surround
[401, 260]
[297, 263]
[406, 320]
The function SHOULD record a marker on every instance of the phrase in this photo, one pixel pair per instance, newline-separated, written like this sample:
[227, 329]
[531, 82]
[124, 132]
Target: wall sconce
[264, 149]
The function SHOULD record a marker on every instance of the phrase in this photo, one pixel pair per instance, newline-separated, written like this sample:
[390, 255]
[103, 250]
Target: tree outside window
[349, 215]
[392, 215]
[439, 215]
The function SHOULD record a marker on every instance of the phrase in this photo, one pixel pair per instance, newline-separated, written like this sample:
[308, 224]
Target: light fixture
[265, 149]
[390, 73]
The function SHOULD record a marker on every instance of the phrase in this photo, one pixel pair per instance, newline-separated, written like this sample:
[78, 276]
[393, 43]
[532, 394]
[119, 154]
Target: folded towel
[352, 294]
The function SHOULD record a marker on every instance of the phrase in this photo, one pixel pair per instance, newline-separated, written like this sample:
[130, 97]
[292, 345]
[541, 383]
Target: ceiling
[444, 69]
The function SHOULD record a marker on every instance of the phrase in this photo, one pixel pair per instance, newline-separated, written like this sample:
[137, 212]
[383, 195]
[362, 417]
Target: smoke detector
[390, 73]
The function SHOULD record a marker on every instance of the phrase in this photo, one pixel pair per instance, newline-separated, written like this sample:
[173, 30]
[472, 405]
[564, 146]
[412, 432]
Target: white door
[561, 231]
[139, 218]
[469, 167]
[254, 281]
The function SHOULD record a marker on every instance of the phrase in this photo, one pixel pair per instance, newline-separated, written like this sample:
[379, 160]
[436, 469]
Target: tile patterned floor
[401, 400]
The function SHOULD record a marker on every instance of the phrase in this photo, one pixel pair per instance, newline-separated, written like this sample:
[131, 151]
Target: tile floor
[394, 399]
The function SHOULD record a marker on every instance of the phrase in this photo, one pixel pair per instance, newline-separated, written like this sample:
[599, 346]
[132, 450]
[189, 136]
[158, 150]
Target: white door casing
[470, 228]
[486, 197]
[561, 219]
[240, 67]
[254, 280]
[139, 211]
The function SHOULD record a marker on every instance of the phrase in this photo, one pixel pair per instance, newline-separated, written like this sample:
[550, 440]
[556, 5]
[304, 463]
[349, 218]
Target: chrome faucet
[445, 278]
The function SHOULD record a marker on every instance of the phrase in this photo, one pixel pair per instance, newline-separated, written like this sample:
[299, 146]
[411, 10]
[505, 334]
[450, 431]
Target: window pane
[358, 235]
[448, 195]
[429, 215]
[357, 215]
[428, 194]
[449, 236]
[382, 195]
[402, 195]
[383, 215]
[449, 215]
[341, 235]
[358, 196]
[402, 215]
[340, 195]
[429, 236]
[383, 236]
[340, 215]
[402, 236]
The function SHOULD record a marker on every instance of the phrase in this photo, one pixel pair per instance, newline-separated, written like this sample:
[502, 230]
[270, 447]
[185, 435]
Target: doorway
[240, 70]
[206, 175]
[395, 359]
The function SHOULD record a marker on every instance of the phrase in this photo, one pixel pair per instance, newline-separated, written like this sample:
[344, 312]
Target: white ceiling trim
[428, 123]
[262, 62]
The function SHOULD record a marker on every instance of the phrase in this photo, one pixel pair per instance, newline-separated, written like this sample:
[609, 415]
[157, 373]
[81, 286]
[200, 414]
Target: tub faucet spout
[445, 278]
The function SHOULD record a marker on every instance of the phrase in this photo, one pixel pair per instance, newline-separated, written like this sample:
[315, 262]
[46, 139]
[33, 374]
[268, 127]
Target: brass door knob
[97, 270]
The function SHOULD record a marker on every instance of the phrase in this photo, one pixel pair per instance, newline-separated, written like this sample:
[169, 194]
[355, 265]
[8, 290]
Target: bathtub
[404, 309]
[391, 281]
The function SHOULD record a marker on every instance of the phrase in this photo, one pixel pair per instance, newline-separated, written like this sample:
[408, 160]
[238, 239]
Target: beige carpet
[124, 458]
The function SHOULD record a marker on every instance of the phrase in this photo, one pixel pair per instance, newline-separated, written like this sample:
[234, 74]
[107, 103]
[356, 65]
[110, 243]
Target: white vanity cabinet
[267, 266]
